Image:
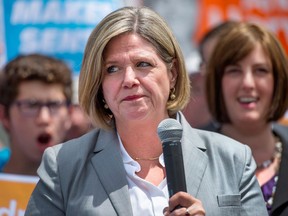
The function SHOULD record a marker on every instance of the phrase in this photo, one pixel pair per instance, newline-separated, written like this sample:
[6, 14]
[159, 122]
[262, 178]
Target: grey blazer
[86, 176]
[280, 204]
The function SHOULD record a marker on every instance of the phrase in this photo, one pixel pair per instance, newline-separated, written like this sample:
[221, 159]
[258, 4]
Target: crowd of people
[133, 76]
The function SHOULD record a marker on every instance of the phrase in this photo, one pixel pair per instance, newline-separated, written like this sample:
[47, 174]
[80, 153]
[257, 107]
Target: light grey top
[86, 176]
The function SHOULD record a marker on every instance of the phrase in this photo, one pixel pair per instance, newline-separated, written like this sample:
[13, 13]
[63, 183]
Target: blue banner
[59, 28]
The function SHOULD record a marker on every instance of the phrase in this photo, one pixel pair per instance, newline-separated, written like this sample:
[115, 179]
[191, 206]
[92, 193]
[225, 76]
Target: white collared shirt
[146, 198]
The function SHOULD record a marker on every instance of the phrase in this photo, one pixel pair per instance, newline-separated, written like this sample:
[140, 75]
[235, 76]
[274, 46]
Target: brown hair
[33, 67]
[233, 47]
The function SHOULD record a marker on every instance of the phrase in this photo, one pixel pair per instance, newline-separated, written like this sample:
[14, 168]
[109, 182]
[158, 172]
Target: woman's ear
[173, 73]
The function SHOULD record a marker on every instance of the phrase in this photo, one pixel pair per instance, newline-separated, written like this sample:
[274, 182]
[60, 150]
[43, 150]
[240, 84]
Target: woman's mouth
[247, 100]
[132, 97]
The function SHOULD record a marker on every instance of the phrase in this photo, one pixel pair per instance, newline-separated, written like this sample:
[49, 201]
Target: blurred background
[60, 28]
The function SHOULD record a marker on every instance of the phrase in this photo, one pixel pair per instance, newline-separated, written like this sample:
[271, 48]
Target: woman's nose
[248, 79]
[130, 78]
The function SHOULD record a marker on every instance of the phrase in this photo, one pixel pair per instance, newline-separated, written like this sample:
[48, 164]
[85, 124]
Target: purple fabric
[267, 190]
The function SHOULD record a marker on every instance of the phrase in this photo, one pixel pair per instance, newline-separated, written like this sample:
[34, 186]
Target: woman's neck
[143, 144]
[141, 141]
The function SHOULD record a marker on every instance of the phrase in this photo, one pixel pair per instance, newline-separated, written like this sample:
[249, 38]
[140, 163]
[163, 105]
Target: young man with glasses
[36, 92]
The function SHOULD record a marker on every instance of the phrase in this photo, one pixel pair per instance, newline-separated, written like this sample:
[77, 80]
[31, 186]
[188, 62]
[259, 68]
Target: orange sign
[15, 191]
[272, 14]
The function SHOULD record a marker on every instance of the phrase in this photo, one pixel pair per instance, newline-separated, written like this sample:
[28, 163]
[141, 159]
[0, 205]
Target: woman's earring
[172, 94]
[105, 104]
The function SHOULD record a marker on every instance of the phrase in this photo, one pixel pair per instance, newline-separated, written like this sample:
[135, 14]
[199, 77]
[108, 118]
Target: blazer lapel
[195, 159]
[108, 165]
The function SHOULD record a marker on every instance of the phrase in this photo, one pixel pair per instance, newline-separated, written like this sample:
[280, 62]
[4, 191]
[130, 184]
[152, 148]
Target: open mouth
[247, 100]
[44, 138]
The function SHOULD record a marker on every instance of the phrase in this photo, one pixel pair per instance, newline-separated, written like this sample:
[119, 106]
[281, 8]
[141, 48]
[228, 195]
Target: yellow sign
[15, 191]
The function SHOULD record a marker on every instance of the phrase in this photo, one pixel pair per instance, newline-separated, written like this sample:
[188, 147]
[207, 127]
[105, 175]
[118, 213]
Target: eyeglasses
[31, 108]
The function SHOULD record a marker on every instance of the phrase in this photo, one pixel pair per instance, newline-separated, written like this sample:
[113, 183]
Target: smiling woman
[248, 88]
[247, 85]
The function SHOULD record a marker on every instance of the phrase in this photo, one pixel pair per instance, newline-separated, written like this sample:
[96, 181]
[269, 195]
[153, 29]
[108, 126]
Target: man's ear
[68, 122]
[4, 118]
[2, 111]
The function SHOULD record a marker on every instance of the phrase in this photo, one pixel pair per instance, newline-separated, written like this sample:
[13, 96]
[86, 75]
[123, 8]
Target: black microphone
[170, 133]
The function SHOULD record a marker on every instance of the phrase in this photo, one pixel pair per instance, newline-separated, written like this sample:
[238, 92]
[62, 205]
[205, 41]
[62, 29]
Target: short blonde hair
[149, 25]
[234, 46]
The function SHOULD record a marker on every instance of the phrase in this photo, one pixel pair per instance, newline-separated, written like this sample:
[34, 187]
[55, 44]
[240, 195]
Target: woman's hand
[183, 203]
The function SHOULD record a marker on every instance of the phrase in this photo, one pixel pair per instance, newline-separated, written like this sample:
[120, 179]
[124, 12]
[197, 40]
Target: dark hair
[29, 68]
[214, 32]
[233, 47]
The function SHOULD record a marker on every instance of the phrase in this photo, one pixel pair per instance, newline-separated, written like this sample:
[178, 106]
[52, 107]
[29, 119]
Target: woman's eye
[112, 69]
[262, 70]
[143, 64]
[231, 70]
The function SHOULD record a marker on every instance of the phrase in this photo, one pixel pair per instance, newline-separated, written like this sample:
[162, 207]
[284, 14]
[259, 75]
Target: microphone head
[169, 130]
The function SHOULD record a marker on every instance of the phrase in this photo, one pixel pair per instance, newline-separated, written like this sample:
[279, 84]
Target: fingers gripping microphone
[170, 133]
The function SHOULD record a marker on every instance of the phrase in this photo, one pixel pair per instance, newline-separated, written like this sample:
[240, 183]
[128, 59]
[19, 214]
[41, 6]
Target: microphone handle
[175, 174]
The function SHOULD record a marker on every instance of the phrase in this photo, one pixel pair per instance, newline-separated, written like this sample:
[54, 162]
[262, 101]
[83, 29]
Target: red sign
[272, 14]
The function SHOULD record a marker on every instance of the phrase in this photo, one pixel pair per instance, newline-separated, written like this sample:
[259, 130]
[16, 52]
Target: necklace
[269, 193]
[277, 154]
[270, 199]
[265, 164]
[146, 159]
